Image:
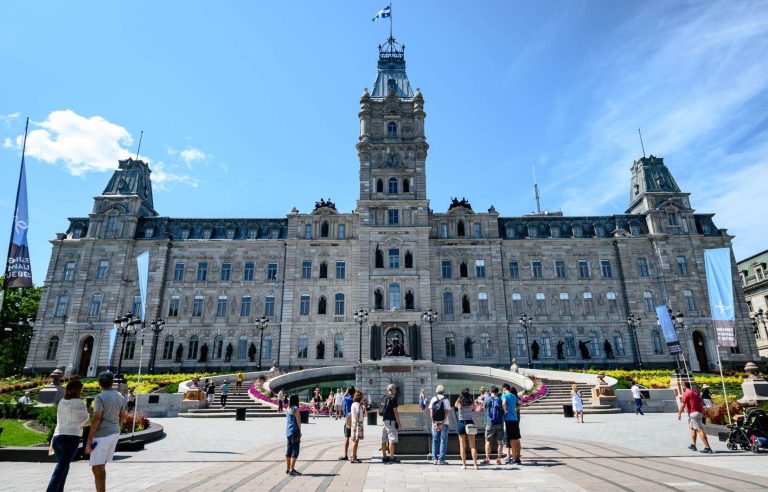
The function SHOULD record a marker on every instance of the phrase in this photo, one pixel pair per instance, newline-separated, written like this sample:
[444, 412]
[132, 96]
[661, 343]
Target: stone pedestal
[603, 394]
[410, 376]
[755, 387]
[50, 394]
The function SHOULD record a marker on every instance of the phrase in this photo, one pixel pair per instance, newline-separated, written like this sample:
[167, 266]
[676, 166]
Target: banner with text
[720, 286]
[668, 329]
[18, 271]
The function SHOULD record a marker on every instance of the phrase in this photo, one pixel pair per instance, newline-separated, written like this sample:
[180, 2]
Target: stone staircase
[253, 408]
[559, 394]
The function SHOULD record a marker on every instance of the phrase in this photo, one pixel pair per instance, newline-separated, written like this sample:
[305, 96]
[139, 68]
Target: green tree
[18, 305]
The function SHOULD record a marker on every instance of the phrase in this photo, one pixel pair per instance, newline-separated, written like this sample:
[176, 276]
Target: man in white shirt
[635, 389]
[25, 399]
[439, 407]
[338, 401]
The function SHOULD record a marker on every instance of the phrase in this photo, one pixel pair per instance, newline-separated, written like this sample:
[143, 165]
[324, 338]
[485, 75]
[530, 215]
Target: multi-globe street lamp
[525, 321]
[633, 320]
[156, 326]
[261, 324]
[361, 316]
[126, 326]
[430, 316]
[760, 318]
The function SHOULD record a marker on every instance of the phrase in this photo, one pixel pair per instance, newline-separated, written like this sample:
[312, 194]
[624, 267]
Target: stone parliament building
[578, 278]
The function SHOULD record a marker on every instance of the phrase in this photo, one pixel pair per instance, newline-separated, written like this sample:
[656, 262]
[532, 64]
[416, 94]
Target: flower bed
[540, 393]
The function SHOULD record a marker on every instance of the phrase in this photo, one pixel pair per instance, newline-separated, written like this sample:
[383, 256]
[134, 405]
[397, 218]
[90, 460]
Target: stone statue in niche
[584, 349]
[560, 354]
[179, 353]
[608, 350]
[395, 347]
[228, 353]
[204, 353]
[535, 350]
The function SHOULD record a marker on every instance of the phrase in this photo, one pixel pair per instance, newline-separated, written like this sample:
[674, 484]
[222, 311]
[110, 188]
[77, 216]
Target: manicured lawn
[15, 434]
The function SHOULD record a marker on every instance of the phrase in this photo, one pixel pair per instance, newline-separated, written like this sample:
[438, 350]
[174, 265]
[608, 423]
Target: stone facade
[754, 281]
[211, 279]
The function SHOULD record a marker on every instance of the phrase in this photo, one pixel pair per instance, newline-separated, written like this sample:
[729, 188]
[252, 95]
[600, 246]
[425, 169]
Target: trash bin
[304, 416]
[240, 413]
[568, 411]
[372, 416]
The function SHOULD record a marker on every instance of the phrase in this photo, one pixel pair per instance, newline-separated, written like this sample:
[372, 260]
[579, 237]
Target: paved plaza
[611, 452]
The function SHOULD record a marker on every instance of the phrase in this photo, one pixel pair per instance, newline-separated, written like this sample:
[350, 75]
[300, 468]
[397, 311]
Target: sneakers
[443, 462]
[692, 447]
[707, 450]
[516, 462]
[434, 462]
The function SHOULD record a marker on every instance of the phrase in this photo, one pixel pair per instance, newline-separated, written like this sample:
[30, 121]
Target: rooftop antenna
[137, 150]
[536, 191]
[641, 141]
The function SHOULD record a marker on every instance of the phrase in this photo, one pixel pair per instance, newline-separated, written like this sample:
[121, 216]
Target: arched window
[392, 127]
[338, 346]
[594, 344]
[394, 296]
[192, 348]
[302, 347]
[392, 185]
[450, 346]
[242, 347]
[324, 228]
[379, 258]
[463, 269]
[485, 345]
[460, 228]
[465, 304]
[321, 305]
[379, 186]
[447, 303]
[469, 351]
[323, 270]
[520, 343]
[53, 348]
[320, 350]
[546, 346]
[658, 348]
[378, 299]
[339, 310]
[266, 347]
[408, 259]
[130, 347]
[409, 300]
[406, 185]
[618, 344]
[482, 303]
[168, 348]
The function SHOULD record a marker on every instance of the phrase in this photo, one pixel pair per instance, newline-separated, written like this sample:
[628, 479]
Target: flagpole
[390, 20]
[722, 380]
[138, 382]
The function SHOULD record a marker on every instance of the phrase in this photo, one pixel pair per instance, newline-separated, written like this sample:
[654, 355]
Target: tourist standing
[391, 418]
[706, 397]
[26, 400]
[280, 400]
[71, 415]
[347, 404]
[239, 381]
[329, 403]
[130, 401]
[479, 405]
[338, 401]
[422, 400]
[494, 430]
[224, 394]
[293, 435]
[511, 405]
[638, 397]
[439, 407]
[108, 410]
[465, 426]
[316, 402]
[693, 405]
[578, 404]
[357, 423]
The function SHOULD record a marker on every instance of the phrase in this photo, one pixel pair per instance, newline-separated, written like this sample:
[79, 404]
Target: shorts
[347, 430]
[495, 433]
[389, 432]
[238, 384]
[292, 451]
[461, 428]
[512, 429]
[103, 449]
[696, 420]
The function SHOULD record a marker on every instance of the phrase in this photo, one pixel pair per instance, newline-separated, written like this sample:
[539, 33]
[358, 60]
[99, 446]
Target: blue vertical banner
[142, 264]
[668, 329]
[720, 286]
[18, 270]
[112, 338]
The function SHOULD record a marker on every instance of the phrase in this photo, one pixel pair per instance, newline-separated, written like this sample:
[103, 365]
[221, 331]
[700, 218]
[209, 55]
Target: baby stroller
[750, 431]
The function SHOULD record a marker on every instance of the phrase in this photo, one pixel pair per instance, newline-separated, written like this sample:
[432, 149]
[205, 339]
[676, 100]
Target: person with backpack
[511, 404]
[439, 406]
[494, 429]
[391, 418]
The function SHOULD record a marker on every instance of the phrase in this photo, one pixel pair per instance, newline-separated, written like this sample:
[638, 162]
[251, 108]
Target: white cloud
[8, 119]
[191, 155]
[7, 143]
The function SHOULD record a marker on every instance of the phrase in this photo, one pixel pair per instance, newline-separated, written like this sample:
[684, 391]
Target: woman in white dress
[578, 404]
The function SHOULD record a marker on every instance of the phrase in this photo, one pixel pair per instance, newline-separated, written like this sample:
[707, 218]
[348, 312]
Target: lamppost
[26, 327]
[157, 327]
[759, 318]
[361, 316]
[126, 326]
[633, 321]
[430, 316]
[525, 320]
[679, 320]
[261, 324]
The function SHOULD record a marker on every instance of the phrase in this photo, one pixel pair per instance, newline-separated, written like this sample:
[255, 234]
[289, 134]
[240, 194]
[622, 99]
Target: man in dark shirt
[391, 419]
[347, 404]
[694, 407]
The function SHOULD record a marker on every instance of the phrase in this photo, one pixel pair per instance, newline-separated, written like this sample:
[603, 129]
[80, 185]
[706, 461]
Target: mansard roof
[391, 75]
[132, 178]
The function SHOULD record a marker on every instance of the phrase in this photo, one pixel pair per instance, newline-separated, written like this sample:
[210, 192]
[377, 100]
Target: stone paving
[610, 452]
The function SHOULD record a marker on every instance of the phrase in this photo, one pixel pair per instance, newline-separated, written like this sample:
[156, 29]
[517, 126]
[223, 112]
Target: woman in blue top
[293, 435]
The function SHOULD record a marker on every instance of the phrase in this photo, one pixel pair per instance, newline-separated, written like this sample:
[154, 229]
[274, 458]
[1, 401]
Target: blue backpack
[495, 412]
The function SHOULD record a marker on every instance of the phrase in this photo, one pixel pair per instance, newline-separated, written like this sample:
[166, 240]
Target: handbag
[471, 429]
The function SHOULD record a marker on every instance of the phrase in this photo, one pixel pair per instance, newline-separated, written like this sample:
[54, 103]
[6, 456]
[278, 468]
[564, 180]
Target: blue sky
[250, 108]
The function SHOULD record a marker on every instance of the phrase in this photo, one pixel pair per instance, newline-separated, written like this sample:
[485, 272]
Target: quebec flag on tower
[383, 13]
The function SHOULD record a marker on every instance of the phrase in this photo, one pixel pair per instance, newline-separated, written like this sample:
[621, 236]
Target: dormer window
[578, 231]
[149, 233]
[672, 219]
[111, 223]
[392, 126]
[391, 85]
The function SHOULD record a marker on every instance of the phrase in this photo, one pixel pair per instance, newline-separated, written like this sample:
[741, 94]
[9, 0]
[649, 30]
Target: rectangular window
[178, 272]
[517, 303]
[302, 347]
[648, 299]
[173, 306]
[514, 269]
[394, 258]
[605, 266]
[536, 270]
[272, 272]
[339, 311]
[565, 303]
[308, 231]
[642, 267]
[583, 269]
[202, 271]
[101, 272]
[341, 269]
[226, 271]
[248, 271]
[136, 306]
[613, 306]
[393, 216]
[482, 303]
[221, 307]
[304, 305]
[690, 302]
[342, 231]
[450, 347]
[95, 305]
[197, 306]
[306, 269]
[560, 268]
[269, 306]
[589, 304]
[245, 306]
[447, 303]
[480, 268]
[478, 231]
[446, 268]
[541, 304]
[682, 265]
[111, 223]
[443, 231]
[69, 271]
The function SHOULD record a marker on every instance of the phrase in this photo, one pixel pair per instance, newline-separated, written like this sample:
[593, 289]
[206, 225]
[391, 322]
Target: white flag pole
[138, 383]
